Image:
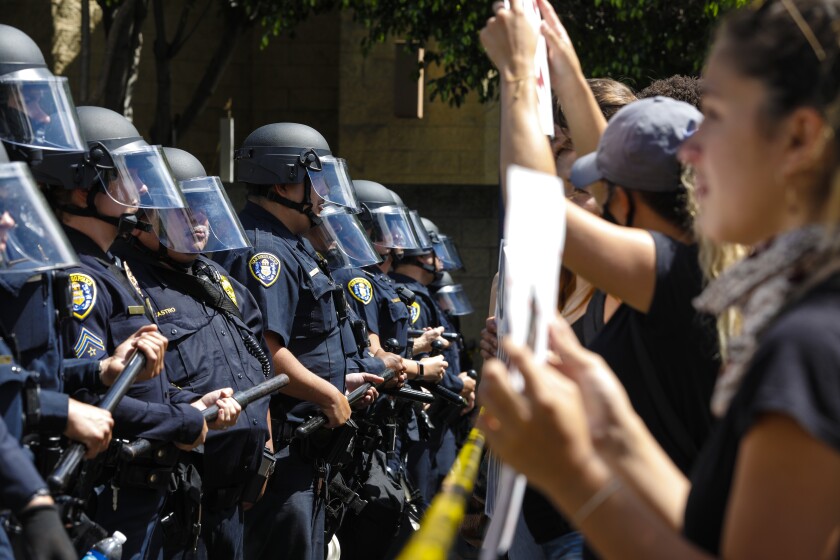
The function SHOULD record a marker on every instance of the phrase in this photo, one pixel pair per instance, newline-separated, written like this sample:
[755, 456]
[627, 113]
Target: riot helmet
[31, 239]
[444, 246]
[38, 122]
[451, 297]
[423, 239]
[208, 223]
[385, 215]
[125, 167]
[287, 153]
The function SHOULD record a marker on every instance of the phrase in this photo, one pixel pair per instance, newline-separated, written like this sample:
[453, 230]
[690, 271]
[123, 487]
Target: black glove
[44, 535]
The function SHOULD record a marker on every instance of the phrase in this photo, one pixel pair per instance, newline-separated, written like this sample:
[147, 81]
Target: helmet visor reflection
[142, 179]
[392, 228]
[420, 230]
[208, 202]
[333, 184]
[341, 239]
[447, 253]
[31, 239]
[453, 300]
[36, 110]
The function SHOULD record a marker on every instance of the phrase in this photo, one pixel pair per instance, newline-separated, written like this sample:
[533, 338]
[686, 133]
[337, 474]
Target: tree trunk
[122, 56]
[236, 24]
[161, 131]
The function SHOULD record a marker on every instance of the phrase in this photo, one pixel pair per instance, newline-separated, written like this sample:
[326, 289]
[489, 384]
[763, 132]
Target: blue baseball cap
[638, 150]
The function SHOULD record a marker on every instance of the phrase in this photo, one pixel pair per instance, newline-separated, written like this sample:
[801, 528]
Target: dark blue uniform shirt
[294, 295]
[107, 309]
[206, 352]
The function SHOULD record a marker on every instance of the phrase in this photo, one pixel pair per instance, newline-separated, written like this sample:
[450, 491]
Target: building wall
[445, 164]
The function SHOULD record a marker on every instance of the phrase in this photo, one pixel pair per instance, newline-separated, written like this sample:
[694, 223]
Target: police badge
[415, 312]
[84, 294]
[361, 290]
[265, 267]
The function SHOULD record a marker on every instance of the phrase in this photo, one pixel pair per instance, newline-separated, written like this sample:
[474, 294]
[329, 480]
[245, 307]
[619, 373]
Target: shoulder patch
[228, 288]
[361, 290]
[88, 344]
[265, 267]
[415, 312]
[84, 294]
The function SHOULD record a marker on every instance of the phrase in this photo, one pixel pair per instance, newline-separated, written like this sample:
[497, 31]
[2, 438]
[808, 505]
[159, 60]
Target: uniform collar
[84, 245]
[257, 215]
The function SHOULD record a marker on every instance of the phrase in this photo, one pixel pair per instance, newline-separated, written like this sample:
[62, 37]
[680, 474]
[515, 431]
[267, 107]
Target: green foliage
[636, 41]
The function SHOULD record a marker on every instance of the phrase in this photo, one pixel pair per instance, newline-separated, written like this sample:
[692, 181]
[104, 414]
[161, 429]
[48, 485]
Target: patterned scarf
[759, 287]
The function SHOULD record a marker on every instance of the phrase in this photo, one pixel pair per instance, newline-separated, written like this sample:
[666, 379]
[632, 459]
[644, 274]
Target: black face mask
[631, 212]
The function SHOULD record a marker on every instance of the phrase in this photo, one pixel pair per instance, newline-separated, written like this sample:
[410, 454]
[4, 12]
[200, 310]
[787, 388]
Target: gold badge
[228, 288]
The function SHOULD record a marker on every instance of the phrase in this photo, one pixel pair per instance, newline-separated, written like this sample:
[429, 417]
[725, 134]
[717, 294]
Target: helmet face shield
[445, 250]
[36, 110]
[341, 240]
[207, 226]
[31, 239]
[140, 178]
[454, 301]
[392, 228]
[332, 182]
[423, 238]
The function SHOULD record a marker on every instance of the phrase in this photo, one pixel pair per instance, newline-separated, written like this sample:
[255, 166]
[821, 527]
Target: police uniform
[296, 299]
[371, 293]
[207, 352]
[420, 455]
[108, 308]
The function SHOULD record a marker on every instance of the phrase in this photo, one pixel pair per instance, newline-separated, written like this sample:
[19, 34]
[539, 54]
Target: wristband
[420, 369]
[597, 499]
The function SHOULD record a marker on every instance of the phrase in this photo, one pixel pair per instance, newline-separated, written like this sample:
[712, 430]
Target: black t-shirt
[795, 372]
[672, 359]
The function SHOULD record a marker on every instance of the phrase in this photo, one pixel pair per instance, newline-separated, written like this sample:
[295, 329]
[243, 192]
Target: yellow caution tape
[444, 516]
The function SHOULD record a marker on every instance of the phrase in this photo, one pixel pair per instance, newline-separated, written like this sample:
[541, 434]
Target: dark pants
[136, 516]
[419, 468]
[288, 522]
[222, 537]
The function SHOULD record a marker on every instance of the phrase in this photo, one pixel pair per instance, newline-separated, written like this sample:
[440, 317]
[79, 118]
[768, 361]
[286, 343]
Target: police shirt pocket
[398, 311]
[320, 315]
[184, 359]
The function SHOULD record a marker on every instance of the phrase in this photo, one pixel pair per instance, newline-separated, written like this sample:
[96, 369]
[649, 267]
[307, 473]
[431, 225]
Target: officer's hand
[489, 339]
[355, 380]
[392, 361]
[423, 343]
[335, 407]
[433, 369]
[468, 392]
[229, 409]
[398, 380]
[43, 532]
[89, 425]
[148, 340]
[199, 440]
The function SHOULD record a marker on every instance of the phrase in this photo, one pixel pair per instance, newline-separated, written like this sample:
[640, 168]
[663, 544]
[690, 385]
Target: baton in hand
[73, 455]
[141, 446]
[307, 428]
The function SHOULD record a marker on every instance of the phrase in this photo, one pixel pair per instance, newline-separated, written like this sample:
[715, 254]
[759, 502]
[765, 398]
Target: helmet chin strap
[125, 223]
[304, 207]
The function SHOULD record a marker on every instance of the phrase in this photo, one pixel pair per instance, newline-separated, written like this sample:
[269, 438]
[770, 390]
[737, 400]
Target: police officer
[108, 305]
[416, 269]
[24, 492]
[287, 168]
[215, 331]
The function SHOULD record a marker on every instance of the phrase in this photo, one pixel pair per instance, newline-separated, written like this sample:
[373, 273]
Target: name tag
[314, 271]
[136, 310]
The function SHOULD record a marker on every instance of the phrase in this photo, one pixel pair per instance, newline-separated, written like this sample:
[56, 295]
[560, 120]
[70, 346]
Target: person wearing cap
[663, 350]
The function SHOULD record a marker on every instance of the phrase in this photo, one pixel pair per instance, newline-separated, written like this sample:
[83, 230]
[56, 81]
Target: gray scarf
[759, 287]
